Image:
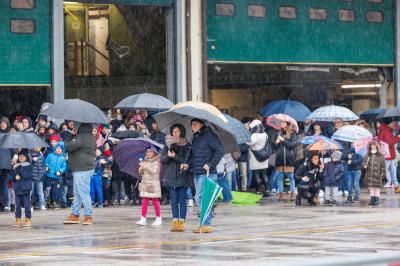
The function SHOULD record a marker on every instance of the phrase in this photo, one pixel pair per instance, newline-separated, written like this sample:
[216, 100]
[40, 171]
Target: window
[257, 11]
[318, 13]
[225, 9]
[287, 12]
[22, 26]
[347, 15]
[23, 4]
[375, 16]
[375, 1]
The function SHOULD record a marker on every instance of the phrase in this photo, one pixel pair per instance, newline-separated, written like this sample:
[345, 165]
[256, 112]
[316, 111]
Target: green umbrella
[210, 194]
[245, 198]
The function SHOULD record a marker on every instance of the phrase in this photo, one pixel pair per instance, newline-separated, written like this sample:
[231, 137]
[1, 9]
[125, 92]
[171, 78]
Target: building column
[180, 51]
[397, 52]
[57, 50]
[171, 89]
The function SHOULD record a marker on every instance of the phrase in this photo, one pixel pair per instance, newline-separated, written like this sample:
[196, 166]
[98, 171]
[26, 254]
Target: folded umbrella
[237, 128]
[145, 101]
[21, 140]
[323, 145]
[76, 110]
[275, 120]
[351, 133]
[210, 193]
[129, 152]
[294, 109]
[331, 112]
[184, 112]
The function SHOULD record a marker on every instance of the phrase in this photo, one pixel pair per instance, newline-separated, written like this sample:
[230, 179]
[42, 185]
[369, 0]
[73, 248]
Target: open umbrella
[360, 146]
[294, 109]
[127, 134]
[184, 112]
[392, 113]
[129, 152]
[21, 140]
[76, 110]
[371, 113]
[211, 190]
[331, 112]
[324, 145]
[351, 133]
[237, 128]
[145, 101]
[245, 198]
[312, 139]
[275, 120]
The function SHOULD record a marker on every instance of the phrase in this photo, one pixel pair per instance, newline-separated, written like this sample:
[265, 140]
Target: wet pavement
[269, 233]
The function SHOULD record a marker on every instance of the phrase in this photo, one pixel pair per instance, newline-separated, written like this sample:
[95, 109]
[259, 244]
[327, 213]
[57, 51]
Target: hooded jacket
[150, 186]
[38, 167]
[81, 149]
[333, 172]
[56, 162]
[23, 186]
[375, 168]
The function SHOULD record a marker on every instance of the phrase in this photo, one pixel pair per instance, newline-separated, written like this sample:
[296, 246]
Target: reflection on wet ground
[267, 233]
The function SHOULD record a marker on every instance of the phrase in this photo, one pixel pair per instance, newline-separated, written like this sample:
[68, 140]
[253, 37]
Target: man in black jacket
[81, 149]
[6, 156]
[206, 153]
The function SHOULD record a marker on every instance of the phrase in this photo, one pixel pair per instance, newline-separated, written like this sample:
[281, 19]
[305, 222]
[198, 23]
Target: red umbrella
[275, 121]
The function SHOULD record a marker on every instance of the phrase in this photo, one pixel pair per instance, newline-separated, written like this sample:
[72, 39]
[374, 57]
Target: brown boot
[292, 196]
[203, 229]
[72, 219]
[280, 196]
[17, 222]
[27, 223]
[88, 220]
[174, 226]
[181, 226]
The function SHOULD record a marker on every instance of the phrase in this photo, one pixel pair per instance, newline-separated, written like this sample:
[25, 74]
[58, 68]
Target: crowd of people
[78, 166]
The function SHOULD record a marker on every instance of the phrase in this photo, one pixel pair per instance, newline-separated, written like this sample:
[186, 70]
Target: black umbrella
[21, 140]
[145, 101]
[76, 110]
[390, 113]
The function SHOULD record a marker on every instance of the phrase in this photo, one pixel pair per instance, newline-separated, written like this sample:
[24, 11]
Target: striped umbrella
[331, 112]
[351, 133]
[275, 121]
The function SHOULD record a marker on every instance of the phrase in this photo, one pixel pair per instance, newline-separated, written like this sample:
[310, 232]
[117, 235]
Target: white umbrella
[331, 112]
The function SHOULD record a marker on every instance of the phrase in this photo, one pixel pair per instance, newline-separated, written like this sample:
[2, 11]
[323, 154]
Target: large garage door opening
[112, 51]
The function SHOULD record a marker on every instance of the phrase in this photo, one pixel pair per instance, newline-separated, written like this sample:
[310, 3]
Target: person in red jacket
[385, 133]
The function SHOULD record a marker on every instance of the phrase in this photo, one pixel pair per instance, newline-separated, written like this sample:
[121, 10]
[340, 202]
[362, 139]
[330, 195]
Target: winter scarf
[169, 140]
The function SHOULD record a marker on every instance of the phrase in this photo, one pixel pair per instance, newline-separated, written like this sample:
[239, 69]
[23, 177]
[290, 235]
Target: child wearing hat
[332, 174]
[150, 187]
[22, 186]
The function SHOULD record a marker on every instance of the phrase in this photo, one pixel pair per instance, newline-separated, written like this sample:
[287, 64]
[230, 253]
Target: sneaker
[142, 221]
[345, 193]
[340, 193]
[88, 220]
[273, 191]
[157, 221]
[7, 208]
[115, 202]
[72, 219]
[387, 185]
[190, 203]
[43, 208]
[122, 202]
[27, 223]
[100, 206]
[321, 194]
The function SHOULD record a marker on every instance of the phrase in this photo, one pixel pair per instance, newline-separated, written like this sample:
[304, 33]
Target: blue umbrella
[294, 109]
[237, 128]
[371, 113]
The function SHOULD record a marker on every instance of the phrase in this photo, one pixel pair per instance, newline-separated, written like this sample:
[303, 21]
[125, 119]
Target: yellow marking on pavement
[70, 251]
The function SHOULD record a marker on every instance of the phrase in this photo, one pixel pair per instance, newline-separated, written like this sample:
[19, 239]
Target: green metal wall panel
[267, 40]
[25, 58]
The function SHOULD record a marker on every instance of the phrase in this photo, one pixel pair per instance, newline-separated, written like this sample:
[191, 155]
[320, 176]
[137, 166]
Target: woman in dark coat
[174, 154]
[285, 161]
[375, 171]
[309, 175]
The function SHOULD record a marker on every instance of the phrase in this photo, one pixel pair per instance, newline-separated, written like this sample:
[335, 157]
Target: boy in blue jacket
[354, 161]
[96, 183]
[56, 166]
[333, 173]
[22, 178]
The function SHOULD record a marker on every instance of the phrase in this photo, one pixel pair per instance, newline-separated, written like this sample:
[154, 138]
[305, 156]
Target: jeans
[96, 189]
[198, 183]
[82, 192]
[4, 187]
[234, 181]
[353, 180]
[64, 193]
[243, 175]
[53, 190]
[343, 184]
[391, 174]
[118, 187]
[178, 202]
[223, 181]
[281, 176]
[37, 187]
[25, 201]
[273, 180]
[189, 193]
[249, 176]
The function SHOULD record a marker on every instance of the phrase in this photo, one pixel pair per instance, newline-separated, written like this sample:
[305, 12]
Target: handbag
[263, 154]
